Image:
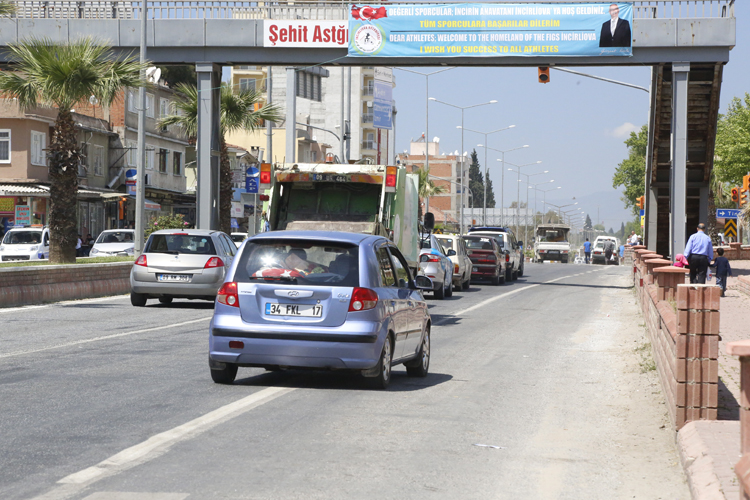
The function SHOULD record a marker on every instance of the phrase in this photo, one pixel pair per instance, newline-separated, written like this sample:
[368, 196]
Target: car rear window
[115, 237]
[302, 262]
[180, 244]
[477, 243]
[15, 237]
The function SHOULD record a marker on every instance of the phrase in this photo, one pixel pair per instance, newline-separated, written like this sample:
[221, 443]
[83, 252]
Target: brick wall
[38, 284]
[682, 321]
[743, 284]
[735, 251]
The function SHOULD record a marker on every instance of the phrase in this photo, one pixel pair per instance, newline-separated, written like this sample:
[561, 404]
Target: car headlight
[129, 251]
[94, 251]
[33, 248]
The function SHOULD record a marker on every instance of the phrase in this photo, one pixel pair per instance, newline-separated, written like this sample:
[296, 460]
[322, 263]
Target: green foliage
[176, 221]
[427, 187]
[732, 153]
[181, 73]
[599, 227]
[490, 192]
[587, 225]
[631, 172]
[80, 260]
[476, 181]
[7, 9]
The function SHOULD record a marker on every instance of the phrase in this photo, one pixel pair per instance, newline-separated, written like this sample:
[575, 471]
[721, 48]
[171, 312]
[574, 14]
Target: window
[247, 68]
[5, 146]
[164, 108]
[247, 84]
[132, 101]
[176, 163]
[308, 85]
[98, 156]
[38, 144]
[313, 156]
[84, 163]
[150, 152]
[386, 269]
[150, 105]
[163, 160]
[402, 272]
[132, 153]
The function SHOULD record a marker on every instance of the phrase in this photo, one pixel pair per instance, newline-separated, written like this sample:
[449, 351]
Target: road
[103, 401]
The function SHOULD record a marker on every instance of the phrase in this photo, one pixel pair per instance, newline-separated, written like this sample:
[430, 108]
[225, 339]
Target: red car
[488, 261]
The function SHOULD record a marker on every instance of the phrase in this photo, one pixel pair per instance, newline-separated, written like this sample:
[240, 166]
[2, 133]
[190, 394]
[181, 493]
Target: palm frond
[238, 110]
[186, 106]
[7, 9]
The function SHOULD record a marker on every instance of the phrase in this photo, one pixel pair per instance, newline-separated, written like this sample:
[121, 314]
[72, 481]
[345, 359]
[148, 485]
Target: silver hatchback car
[324, 300]
[175, 263]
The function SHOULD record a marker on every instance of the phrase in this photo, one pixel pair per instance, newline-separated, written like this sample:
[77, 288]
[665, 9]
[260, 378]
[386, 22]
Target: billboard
[491, 30]
[382, 105]
[305, 33]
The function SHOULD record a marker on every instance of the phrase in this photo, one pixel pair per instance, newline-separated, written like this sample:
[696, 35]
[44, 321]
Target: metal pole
[348, 132]
[461, 225]
[343, 125]
[526, 219]
[518, 204]
[269, 124]
[291, 116]
[140, 176]
[484, 200]
[427, 135]
[502, 191]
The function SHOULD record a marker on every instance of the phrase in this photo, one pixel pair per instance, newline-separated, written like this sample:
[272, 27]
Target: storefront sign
[305, 33]
[491, 30]
[23, 215]
[7, 205]
[237, 209]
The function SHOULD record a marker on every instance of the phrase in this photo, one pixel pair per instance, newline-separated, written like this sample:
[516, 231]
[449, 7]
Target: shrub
[176, 221]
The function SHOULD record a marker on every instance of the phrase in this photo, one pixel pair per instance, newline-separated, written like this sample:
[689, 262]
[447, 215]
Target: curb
[698, 464]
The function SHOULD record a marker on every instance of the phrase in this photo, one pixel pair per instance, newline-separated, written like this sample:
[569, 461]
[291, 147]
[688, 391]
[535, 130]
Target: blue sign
[491, 30]
[382, 105]
[643, 212]
[234, 224]
[251, 180]
[727, 213]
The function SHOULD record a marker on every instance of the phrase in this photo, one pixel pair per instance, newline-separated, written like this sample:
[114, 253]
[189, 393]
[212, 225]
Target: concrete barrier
[25, 285]
[735, 251]
[682, 321]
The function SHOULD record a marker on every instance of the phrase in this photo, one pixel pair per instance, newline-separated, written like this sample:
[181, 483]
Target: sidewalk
[710, 449]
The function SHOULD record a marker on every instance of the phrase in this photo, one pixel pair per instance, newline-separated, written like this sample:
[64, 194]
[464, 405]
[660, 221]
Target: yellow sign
[7, 204]
[730, 228]
[643, 220]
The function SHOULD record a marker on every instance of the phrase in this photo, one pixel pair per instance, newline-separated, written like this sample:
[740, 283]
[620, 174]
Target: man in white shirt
[633, 238]
[616, 31]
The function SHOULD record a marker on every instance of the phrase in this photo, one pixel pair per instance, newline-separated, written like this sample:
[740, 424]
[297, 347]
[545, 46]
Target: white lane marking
[160, 443]
[104, 337]
[64, 303]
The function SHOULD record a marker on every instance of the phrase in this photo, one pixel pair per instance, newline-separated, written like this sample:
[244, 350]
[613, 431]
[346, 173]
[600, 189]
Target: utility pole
[140, 176]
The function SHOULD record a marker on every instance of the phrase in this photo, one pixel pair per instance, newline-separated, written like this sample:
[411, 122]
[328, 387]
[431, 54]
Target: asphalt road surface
[536, 390]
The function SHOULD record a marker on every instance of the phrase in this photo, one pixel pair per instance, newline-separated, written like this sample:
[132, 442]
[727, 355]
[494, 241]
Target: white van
[597, 253]
[25, 243]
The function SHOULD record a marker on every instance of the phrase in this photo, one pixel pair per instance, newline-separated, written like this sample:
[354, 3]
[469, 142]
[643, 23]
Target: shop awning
[148, 204]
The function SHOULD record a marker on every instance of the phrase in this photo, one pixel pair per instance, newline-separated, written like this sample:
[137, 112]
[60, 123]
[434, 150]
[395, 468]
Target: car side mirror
[423, 283]
[429, 221]
[451, 253]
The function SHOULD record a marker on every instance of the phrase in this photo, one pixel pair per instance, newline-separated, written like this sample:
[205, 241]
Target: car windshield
[478, 243]
[447, 243]
[115, 237]
[22, 237]
[300, 261]
[180, 243]
[238, 238]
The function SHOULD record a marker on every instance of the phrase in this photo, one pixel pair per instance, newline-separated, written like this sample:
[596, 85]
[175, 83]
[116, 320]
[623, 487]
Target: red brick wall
[38, 284]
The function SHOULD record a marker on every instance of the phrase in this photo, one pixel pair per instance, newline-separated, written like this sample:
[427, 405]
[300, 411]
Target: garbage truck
[359, 198]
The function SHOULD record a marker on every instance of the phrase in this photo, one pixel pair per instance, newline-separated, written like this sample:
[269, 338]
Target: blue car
[323, 300]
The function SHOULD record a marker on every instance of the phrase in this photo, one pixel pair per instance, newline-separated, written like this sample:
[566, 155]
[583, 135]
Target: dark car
[488, 261]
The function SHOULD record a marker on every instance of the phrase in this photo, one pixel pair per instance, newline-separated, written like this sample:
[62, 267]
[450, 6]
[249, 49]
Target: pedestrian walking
[587, 250]
[699, 252]
[723, 269]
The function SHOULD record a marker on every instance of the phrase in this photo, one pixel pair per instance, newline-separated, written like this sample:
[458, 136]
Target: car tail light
[179, 234]
[363, 299]
[488, 258]
[425, 257]
[214, 262]
[141, 261]
[390, 176]
[455, 268]
[236, 344]
[227, 294]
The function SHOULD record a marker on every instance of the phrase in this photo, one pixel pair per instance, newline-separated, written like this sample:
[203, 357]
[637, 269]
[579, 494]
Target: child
[722, 270]
[680, 261]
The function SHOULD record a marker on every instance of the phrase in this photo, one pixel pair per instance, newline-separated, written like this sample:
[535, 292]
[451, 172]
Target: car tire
[165, 300]
[137, 299]
[520, 272]
[509, 275]
[449, 290]
[495, 280]
[225, 376]
[466, 284]
[383, 379]
[440, 292]
[514, 275]
[421, 364]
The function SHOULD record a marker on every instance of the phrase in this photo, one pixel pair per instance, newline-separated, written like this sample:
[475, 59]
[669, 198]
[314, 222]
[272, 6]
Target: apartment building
[318, 92]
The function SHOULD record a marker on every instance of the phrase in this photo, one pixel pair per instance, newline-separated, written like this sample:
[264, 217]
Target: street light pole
[502, 179]
[462, 108]
[426, 120]
[518, 192]
[526, 217]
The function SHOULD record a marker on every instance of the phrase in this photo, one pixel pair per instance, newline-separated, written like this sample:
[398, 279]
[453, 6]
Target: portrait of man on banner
[616, 31]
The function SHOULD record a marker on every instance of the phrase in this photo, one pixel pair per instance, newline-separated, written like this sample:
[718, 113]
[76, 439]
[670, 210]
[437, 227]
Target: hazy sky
[575, 125]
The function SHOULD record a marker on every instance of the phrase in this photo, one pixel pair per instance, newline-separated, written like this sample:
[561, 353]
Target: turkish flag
[368, 13]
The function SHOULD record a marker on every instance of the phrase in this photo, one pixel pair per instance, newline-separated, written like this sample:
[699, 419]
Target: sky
[575, 126]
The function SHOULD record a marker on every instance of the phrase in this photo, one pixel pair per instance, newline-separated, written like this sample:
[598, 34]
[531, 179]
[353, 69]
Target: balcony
[366, 117]
[368, 90]
[371, 145]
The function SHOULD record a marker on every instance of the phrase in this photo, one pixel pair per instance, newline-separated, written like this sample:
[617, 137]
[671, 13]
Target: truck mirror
[429, 221]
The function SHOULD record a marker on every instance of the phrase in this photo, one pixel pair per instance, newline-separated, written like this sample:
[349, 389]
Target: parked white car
[114, 242]
[25, 243]
[461, 260]
[238, 238]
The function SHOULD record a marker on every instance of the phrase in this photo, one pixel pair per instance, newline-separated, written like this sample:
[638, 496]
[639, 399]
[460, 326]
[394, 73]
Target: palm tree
[238, 112]
[7, 9]
[62, 75]
[427, 188]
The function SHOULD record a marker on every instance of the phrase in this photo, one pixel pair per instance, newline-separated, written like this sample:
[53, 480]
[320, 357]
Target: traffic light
[265, 175]
[746, 183]
[641, 202]
[743, 200]
[735, 194]
[543, 74]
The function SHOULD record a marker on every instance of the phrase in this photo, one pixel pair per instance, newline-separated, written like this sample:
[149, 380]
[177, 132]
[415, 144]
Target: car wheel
[495, 280]
[422, 362]
[509, 275]
[514, 275]
[383, 378]
[449, 290]
[137, 299]
[165, 300]
[520, 272]
[466, 284]
[226, 375]
[440, 292]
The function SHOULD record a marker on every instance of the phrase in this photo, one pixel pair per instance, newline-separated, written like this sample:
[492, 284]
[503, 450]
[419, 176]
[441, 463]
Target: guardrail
[325, 10]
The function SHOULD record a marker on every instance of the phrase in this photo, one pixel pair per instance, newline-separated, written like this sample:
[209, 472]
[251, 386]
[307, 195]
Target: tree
[7, 9]
[61, 75]
[732, 152]
[611, 231]
[427, 187]
[490, 193]
[631, 172]
[237, 113]
[181, 73]
[515, 204]
[599, 227]
[587, 225]
[476, 181]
